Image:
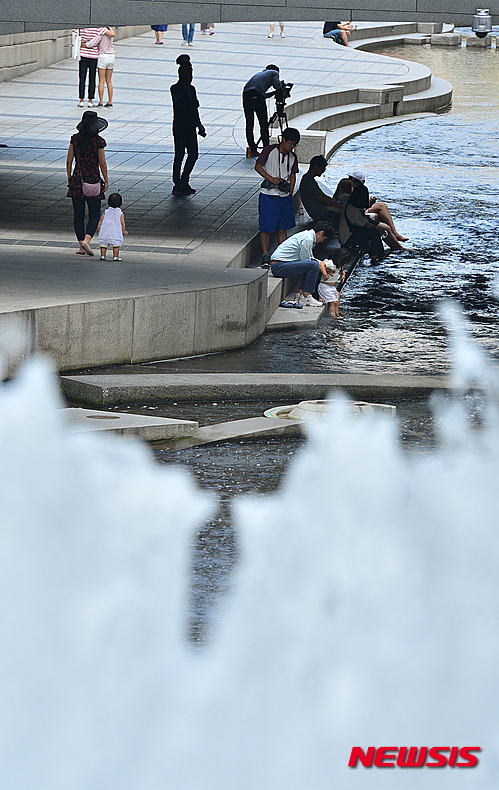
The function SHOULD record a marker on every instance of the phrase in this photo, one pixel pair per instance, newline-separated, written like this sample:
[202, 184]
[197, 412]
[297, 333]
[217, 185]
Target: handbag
[91, 190]
[75, 44]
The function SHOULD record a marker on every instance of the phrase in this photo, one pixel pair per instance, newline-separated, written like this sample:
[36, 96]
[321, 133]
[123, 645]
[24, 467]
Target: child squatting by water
[112, 227]
[332, 275]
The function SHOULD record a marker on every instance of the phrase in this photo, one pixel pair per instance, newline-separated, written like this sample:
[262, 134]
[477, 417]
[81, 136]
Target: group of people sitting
[360, 222]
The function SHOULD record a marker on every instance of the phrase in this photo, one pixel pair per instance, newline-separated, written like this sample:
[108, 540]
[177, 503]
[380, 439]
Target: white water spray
[364, 613]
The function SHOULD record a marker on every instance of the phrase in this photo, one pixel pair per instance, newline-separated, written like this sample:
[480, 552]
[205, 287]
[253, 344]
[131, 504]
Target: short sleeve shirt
[277, 165]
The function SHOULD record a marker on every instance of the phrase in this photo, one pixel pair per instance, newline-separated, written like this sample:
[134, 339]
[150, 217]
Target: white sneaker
[270, 35]
[282, 35]
[90, 103]
[309, 301]
[81, 103]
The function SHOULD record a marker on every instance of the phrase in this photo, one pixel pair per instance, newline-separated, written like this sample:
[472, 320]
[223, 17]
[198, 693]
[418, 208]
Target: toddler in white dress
[112, 227]
[327, 287]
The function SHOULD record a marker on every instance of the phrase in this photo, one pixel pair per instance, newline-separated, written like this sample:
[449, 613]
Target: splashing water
[363, 612]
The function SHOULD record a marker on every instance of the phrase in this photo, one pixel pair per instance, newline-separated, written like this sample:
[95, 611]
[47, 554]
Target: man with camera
[278, 166]
[255, 93]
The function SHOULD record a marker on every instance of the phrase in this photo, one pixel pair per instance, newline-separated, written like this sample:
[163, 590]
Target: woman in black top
[87, 150]
[186, 125]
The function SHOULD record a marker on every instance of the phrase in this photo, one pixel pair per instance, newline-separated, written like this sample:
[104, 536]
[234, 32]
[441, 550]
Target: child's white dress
[111, 232]
[326, 288]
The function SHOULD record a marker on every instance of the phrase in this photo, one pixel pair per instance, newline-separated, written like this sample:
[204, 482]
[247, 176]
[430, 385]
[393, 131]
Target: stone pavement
[38, 114]
[175, 244]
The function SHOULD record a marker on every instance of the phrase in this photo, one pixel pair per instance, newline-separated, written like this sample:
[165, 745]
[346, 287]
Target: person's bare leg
[116, 252]
[264, 241]
[390, 239]
[282, 235]
[272, 26]
[100, 88]
[109, 85]
[383, 214]
[344, 36]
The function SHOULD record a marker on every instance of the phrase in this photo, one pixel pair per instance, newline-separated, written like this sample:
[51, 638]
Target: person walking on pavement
[186, 126]
[255, 93]
[158, 31]
[85, 184]
[187, 34]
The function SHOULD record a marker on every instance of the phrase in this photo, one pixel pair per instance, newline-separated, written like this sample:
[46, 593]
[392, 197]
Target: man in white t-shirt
[278, 165]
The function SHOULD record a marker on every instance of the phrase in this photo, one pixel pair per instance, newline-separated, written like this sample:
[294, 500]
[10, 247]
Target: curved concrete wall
[29, 15]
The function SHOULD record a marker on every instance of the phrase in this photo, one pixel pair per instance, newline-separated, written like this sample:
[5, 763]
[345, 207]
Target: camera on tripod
[281, 94]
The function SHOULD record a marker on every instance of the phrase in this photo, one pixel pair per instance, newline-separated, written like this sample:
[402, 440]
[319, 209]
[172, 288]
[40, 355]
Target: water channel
[440, 177]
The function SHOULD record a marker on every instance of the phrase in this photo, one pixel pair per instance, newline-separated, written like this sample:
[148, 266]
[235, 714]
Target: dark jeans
[90, 65]
[254, 104]
[184, 140]
[309, 269]
[79, 216]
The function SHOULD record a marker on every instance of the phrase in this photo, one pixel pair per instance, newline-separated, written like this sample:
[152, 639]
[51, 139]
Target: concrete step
[274, 294]
[292, 318]
[148, 388]
[150, 429]
[250, 428]
[438, 95]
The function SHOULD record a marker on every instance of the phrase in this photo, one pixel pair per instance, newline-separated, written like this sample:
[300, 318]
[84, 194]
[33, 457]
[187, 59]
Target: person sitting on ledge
[376, 209]
[315, 202]
[338, 31]
[294, 257]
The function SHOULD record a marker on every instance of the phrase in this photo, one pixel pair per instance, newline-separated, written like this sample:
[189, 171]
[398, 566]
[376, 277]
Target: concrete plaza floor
[174, 243]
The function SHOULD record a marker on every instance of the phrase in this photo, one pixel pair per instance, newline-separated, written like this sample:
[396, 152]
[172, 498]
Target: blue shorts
[275, 213]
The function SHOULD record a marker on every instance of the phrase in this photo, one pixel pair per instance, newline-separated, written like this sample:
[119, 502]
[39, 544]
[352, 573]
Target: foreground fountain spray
[364, 611]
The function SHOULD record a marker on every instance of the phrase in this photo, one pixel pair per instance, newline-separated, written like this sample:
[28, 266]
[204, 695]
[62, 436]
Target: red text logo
[414, 757]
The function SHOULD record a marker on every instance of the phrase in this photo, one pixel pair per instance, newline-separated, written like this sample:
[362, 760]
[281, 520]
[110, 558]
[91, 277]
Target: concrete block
[382, 95]
[479, 43]
[163, 326]
[86, 333]
[446, 40]
[139, 426]
[220, 318]
[256, 307]
[249, 428]
[16, 340]
[312, 143]
[430, 28]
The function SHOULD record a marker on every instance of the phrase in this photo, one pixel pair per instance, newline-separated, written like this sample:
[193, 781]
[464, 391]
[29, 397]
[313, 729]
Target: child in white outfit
[112, 228]
[333, 276]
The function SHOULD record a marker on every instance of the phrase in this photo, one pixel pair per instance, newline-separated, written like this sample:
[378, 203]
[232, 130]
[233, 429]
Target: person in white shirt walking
[112, 227]
[295, 256]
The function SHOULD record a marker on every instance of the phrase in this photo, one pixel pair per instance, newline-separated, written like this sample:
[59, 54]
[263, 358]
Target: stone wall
[28, 15]
[21, 53]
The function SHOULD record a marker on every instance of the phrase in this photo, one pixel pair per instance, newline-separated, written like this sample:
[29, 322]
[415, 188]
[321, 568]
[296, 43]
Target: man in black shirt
[186, 124]
[316, 203]
[255, 93]
[338, 31]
